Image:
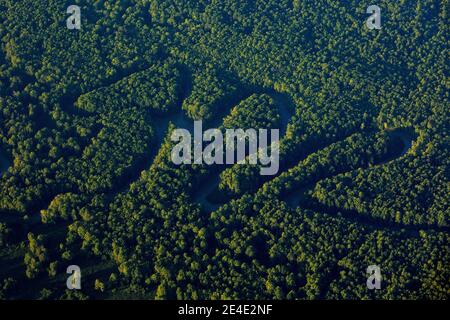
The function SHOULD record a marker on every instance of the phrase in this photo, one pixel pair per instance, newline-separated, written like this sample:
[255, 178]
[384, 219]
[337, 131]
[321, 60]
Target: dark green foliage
[86, 176]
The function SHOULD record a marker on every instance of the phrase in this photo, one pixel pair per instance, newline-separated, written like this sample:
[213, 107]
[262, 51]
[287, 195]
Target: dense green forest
[86, 176]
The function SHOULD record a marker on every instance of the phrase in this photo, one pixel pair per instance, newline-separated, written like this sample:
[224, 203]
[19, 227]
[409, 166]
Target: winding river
[286, 110]
[297, 198]
[210, 183]
[181, 120]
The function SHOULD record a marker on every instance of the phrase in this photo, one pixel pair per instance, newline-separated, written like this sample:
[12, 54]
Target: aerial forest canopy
[86, 176]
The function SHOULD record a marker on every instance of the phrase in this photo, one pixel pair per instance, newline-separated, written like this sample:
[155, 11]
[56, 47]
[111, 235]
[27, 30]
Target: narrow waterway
[297, 198]
[209, 185]
[286, 110]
